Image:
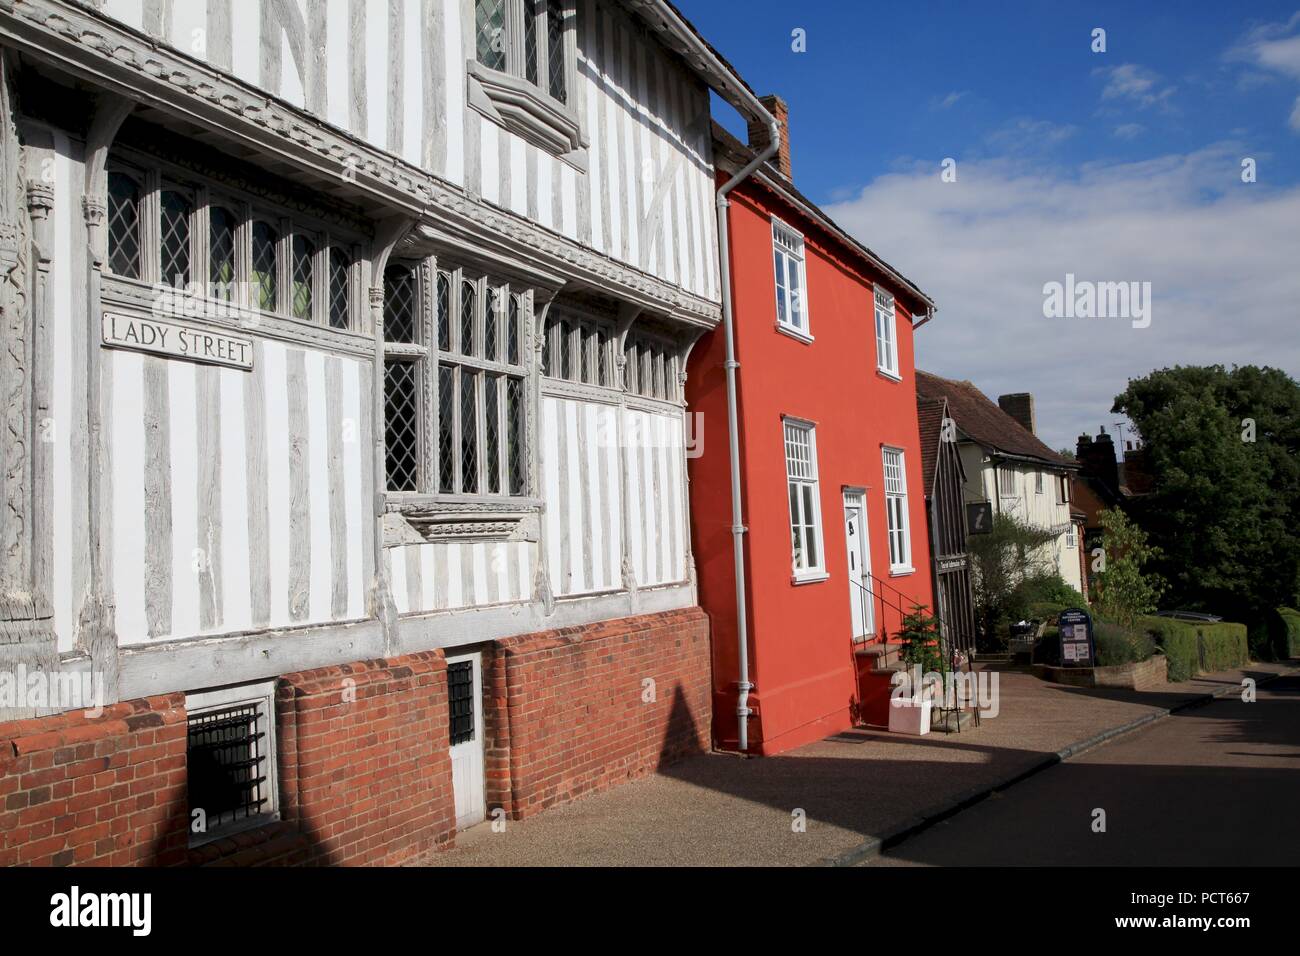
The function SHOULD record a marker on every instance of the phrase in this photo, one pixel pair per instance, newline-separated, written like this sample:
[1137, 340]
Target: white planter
[910, 716]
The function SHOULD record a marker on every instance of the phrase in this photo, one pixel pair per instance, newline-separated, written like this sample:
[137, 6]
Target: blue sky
[1115, 166]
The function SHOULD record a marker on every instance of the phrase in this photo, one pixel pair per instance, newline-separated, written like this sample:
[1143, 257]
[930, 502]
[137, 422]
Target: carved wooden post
[627, 315]
[382, 605]
[541, 305]
[26, 619]
[96, 630]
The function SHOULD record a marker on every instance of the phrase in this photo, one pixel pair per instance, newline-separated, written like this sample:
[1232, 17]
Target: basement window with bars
[454, 383]
[201, 238]
[230, 760]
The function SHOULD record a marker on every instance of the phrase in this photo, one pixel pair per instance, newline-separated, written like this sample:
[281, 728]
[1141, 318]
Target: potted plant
[922, 653]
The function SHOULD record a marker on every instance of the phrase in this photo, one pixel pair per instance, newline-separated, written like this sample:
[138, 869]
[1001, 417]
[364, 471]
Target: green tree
[1001, 561]
[1121, 591]
[1222, 449]
[919, 635]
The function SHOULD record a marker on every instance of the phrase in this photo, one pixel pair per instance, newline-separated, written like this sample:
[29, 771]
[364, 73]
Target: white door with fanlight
[465, 717]
[859, 564]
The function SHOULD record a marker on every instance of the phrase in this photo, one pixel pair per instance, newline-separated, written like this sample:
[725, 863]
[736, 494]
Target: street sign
[1077, 646]
[979, 518]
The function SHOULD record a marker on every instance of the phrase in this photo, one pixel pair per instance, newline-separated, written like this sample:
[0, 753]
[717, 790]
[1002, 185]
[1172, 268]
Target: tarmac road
[1212, 785]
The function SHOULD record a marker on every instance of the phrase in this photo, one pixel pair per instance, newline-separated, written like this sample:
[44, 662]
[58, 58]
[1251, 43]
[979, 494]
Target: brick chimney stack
[758, 137]
[1097, 459]
[1019, 406]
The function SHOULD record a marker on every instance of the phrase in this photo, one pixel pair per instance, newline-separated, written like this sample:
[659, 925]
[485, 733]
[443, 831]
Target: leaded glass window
[340, 288]
[265, 275]
[221, 253]
[174, 224]
[304, 255]
[124, 225]
[526, 38]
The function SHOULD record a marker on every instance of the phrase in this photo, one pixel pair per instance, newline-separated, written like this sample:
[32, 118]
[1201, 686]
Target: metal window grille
[175, 236]
[265, 270]
[123, 225]
[221, 252]
[401, 417]
[304, 254]
[340, 289]
[460, 701]
[228, 764]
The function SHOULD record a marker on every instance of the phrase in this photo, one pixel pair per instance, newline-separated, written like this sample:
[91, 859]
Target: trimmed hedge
[1193, 648]
[1223, 645]
[1286, 632]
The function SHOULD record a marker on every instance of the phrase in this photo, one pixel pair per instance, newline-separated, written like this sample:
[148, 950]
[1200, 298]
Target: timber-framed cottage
[345, 455]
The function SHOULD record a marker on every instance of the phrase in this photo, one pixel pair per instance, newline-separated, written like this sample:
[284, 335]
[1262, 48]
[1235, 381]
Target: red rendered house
[837, 546]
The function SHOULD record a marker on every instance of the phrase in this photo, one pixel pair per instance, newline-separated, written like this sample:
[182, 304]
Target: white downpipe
[738, 528]
[756, 109]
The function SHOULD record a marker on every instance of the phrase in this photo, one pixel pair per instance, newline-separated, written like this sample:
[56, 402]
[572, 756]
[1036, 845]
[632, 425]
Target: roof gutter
[740, 96]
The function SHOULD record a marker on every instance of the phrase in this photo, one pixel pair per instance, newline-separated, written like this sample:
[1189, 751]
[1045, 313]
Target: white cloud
[1220, 256]
[948, 101]
[1274, 47]
[1135, 84]
[1129, 130]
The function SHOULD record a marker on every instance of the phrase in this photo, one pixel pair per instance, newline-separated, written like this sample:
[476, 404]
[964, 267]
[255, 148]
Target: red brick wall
[106, 791]
[368, 780]
[567, 710]
[364, 772]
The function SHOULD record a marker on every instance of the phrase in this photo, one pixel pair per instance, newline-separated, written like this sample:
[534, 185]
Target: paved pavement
[854, 789]
[1210, 786]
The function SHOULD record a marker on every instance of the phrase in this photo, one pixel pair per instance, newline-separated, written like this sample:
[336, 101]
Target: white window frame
[787, 248]
[804, 475]
[263, 695]
[1038, 482]
[886, 334]
[896, 504]
[1071, 540]
[1006, 478]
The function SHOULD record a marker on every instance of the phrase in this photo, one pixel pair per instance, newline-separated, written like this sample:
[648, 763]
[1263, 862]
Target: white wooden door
[859, 564]
[465, 706]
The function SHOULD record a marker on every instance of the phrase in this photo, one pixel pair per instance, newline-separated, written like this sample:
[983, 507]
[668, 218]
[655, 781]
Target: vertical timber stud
[26, 618]
[96, 633]
[627, 315]
[382, 607]
[692, 445]
[541, 306]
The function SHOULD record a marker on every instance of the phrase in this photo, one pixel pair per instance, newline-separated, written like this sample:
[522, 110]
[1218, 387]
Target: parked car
[1196, 616]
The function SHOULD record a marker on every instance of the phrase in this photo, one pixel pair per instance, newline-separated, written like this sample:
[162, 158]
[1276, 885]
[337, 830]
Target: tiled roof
[984, 422]
[930, 412]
